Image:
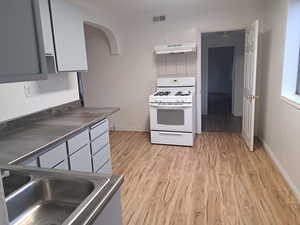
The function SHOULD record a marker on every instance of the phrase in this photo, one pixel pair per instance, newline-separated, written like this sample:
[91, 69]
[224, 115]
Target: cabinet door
[62, 166]
[69, 36]
[81, 160]
[46, 27]
[53, 157]
[22, 50]
[112, 213]
[106, 168]
[33, 163]
[48, 36]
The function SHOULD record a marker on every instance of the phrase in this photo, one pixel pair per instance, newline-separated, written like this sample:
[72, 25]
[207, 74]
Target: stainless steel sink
[37, 196]
[14, 181]
[47, 201]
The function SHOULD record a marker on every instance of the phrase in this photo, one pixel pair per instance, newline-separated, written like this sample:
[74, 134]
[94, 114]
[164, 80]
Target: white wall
[19, 99]
[132, 75]
[279, 121]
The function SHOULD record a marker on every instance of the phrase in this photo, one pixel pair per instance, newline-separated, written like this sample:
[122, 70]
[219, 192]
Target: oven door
[171, 117]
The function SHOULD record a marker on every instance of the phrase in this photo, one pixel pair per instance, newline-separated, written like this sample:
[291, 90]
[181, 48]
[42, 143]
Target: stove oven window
[170, 117]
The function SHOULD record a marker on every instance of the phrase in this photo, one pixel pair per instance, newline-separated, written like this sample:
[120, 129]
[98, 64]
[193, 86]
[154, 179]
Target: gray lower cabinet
[87, 151]
[31, 163]
[21, 42]
[78, 141]
[54, 157]
[106, 168]
[112, 213]
[81, 160]
[101, 157]
[64, 165]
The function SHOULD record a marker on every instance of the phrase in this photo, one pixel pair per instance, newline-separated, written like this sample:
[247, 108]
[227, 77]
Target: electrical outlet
[27, 90]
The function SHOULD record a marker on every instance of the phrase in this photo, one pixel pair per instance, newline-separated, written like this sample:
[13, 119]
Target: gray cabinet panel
[99, 129]
[22, 50]
[46, 27]
[78, 141]
[100, 142]
[69, 36]
[51, 158]
[48, 35]
[106, 168]
[33, 163]
[112, 213]
[81, 160]
[62, 166]
[101, 158]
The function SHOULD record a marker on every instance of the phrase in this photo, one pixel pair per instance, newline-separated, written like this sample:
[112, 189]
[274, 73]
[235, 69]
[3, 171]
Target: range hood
[175, 48]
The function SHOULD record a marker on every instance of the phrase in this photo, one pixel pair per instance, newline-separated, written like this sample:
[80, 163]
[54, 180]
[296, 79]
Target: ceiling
[160, 6]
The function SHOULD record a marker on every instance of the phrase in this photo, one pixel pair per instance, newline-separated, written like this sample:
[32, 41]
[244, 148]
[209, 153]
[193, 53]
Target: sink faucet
[3, 209]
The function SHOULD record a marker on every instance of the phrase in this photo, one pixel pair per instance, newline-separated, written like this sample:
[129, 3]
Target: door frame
[200, 33]
[238, 68]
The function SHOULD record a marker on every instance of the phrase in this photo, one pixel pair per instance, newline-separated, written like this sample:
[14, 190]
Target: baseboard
[283, 172]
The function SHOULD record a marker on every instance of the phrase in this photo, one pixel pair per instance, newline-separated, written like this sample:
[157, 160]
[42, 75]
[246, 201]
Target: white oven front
[171, 117]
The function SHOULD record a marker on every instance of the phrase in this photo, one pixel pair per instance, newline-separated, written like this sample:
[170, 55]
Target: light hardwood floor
[217, 182]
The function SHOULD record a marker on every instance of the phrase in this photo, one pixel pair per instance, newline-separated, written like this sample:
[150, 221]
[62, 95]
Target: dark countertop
[37, 135]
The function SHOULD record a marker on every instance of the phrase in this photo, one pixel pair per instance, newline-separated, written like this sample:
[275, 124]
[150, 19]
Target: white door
[249, 98]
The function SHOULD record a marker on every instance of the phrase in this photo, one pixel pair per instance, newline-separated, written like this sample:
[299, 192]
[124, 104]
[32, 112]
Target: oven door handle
[171, 106]
[171, 134]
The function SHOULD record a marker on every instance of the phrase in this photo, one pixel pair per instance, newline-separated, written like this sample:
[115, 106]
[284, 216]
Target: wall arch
[112, 40]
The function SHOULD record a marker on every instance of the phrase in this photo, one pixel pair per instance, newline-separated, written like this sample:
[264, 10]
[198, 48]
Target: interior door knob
[252, 97]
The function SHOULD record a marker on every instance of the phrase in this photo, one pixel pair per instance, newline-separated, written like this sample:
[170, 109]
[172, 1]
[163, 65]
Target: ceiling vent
[159, 18]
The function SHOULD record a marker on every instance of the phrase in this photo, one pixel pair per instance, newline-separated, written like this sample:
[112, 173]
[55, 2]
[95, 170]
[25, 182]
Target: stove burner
[183, 93]
[163, 93]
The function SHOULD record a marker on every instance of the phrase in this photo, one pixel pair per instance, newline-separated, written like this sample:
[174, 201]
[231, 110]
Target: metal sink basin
[13, 182]
[36, 196]
[47, 201]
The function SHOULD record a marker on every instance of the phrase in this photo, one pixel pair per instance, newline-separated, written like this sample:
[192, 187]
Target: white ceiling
[160, 6]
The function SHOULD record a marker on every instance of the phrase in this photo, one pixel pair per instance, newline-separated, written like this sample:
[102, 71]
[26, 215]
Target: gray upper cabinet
[48, 36]
[69, 39]
[47, 27]
[21, 41]
[39, 37]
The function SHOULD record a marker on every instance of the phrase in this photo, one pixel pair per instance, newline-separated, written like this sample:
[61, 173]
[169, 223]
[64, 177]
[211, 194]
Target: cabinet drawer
[100, 142]
[54, 156]
[78, 141]
[172, 138]
[99, 129]
[101, 158]
[33, 163]
[107, 168]
[62, 166]
[81, 160]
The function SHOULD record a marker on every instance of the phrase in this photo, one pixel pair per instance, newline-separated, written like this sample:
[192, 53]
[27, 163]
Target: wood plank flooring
[217, 182]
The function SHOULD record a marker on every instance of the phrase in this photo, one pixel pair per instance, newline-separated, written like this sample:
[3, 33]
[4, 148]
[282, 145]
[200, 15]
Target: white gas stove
[172, 111]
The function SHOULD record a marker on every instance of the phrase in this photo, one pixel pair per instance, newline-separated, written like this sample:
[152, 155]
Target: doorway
[222, 81]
